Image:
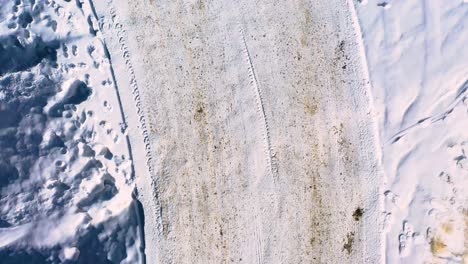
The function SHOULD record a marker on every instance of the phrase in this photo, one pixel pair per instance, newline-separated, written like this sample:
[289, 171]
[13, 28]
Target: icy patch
[66, 178]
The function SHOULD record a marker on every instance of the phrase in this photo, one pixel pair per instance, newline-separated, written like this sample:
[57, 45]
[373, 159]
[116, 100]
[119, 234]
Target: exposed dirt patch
[310, 106]
[357, 215]
[348, 246]
[200, 113]
[447, 227]
[437, 246]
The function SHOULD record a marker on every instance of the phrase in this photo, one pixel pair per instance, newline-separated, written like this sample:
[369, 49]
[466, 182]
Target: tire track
[265, 131]
[121, 35]
[270, 154]
[258, 242]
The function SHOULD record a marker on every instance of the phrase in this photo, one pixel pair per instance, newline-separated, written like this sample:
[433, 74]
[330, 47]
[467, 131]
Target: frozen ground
[418, 61]
[66, 179]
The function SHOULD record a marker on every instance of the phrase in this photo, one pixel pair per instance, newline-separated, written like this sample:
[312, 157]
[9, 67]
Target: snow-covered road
[256, 128]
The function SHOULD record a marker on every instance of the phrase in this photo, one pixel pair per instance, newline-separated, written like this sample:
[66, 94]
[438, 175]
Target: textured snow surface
[418, 61]
[66, 178]
[251, 126]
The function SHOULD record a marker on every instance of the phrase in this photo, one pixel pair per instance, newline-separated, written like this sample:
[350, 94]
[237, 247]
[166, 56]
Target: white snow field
[418, 62]
[245, 131]
[66, 178]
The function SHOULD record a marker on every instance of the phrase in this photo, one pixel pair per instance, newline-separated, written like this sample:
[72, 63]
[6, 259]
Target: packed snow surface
[66, 179]
[256, 129]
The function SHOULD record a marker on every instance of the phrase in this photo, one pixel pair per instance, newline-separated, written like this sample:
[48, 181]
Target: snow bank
[66, 175]
[418, 63]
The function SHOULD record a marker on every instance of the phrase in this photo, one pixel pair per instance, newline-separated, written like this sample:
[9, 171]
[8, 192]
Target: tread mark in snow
[121, 34]
[261, 110]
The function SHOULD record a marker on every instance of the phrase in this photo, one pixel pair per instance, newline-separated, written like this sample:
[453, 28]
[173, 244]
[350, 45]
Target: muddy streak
[309, 91]
[206, 213]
